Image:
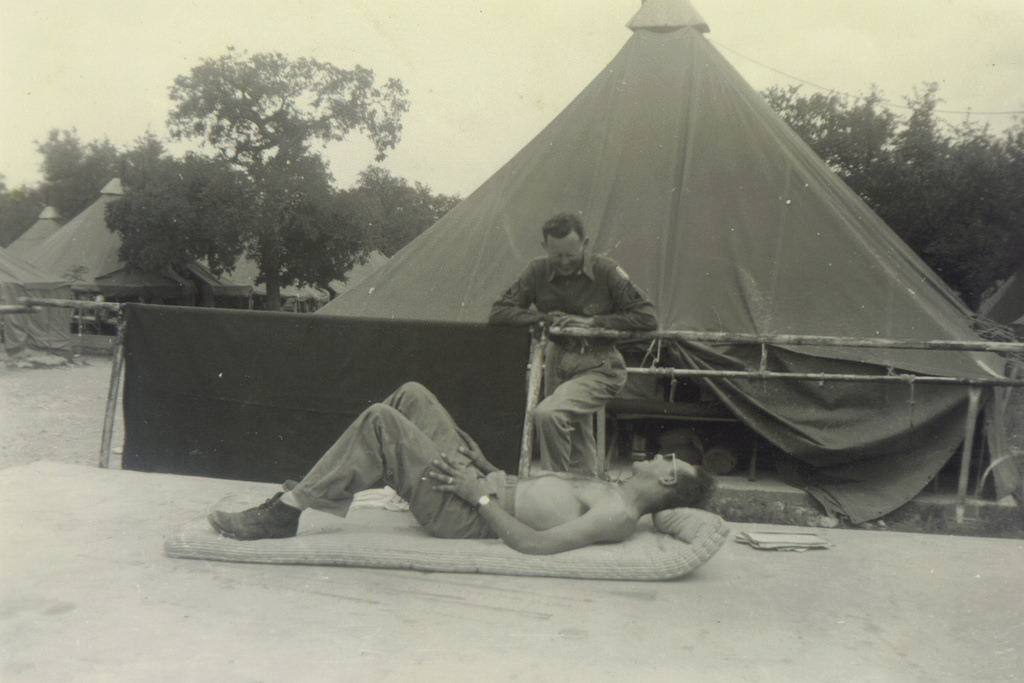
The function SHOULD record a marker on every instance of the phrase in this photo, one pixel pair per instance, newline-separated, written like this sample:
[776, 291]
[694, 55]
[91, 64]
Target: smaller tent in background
[218, 292]
[125, 284]
[47, 224]
[84, 248]
[298, 299]
[46, 330]
[86, 252]
[1006, 304]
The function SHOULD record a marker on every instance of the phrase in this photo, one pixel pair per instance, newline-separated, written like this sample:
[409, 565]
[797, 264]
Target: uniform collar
[587, 268]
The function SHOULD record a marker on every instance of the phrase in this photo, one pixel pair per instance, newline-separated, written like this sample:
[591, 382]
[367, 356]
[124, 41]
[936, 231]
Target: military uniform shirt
[599, 289]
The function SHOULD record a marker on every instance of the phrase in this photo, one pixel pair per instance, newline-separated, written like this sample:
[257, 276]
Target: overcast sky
[484, 76]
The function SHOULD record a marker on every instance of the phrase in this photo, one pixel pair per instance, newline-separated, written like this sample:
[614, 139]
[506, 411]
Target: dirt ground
[54, 412]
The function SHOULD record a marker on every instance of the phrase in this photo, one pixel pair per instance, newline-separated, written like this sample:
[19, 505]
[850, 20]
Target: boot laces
[269, 502]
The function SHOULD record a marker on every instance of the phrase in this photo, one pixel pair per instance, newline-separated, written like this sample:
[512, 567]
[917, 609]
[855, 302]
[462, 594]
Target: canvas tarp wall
[260, 395]
[684, 175]
[49, 329]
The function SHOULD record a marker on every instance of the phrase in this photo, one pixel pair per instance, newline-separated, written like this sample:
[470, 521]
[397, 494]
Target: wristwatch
[483, 501]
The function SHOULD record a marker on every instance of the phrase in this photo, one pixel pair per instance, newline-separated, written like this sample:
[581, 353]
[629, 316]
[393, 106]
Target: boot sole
[211, 518]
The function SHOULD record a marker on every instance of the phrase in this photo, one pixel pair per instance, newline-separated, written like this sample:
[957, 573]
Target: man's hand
[478, 460]
[457, 478]
[566, 320]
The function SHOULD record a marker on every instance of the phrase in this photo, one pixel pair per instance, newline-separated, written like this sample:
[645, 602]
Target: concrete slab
[87, 595]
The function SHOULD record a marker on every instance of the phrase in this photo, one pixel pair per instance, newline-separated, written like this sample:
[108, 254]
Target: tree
[73, 175]
[955, 196]
[853, 138]
[73, 172]
[176, 212]
[301, 230]
[392, 211]
[19, 209]
[262, 114]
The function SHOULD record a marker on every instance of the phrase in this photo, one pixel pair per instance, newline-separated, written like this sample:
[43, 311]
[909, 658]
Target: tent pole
[112, 392]
[538, 344]
[905, 378]
[791, 339]
[973, 401]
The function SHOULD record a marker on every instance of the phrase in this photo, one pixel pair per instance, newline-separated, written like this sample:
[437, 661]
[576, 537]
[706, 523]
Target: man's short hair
[691, 492]
[560, 225]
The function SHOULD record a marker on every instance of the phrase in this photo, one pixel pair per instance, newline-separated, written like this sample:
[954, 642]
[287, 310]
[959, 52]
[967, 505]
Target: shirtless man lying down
[411, 443]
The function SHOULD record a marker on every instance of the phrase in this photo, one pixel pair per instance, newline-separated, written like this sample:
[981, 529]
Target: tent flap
[48, 329]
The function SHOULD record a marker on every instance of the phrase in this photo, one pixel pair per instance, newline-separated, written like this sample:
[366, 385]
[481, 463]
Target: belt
[507, 496]
[584, 345]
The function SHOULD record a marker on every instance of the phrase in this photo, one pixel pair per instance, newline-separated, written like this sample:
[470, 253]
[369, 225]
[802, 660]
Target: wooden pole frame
[905, 378]
[973, 404]
[113, 391]
[71, 303]
[974, 384]
[534, 380]
[792, 340]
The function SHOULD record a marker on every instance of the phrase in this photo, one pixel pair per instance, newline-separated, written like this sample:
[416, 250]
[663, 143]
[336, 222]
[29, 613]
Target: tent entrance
[869, 437]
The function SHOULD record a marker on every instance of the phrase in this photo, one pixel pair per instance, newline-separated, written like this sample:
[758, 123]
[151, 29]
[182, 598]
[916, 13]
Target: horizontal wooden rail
[830, 377]
[14, 308]
[791, 340]
[71, 303]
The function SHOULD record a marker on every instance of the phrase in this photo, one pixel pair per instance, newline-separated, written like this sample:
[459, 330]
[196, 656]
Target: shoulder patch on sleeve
[622, 272]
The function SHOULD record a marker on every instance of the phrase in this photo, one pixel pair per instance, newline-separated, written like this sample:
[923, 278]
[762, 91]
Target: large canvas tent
[48, 329]
[47, 224]
[684, 175]
[359, 272]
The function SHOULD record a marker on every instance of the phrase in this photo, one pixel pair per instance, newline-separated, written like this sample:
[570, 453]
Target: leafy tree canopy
[252, 109]
[262, 114]
[954, 194]
[19, 209]
[74, 172]
[176, 212]
[392, 211]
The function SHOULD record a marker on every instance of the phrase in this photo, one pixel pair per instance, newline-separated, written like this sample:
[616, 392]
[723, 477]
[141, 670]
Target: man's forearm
[510, 314]
[639, 320]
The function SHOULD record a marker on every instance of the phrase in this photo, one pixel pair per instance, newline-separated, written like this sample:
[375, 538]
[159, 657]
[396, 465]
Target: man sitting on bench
[411, 443]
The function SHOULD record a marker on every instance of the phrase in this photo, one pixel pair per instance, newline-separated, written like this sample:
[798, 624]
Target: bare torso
[549, 499]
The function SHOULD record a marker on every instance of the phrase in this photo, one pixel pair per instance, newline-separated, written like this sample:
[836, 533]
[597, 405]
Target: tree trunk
[273, 282]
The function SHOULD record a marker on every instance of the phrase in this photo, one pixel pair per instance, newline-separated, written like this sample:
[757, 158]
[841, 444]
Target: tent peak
[49, 213]
[665, 15]
[113, 187]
